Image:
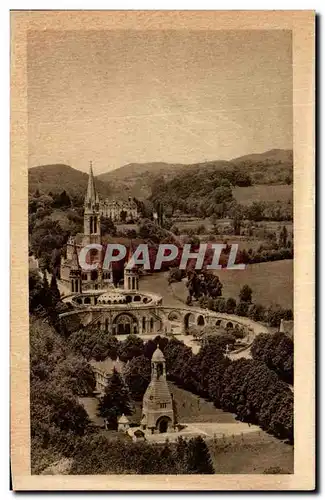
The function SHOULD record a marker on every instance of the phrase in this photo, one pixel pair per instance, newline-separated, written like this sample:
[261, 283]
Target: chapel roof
[158, 355]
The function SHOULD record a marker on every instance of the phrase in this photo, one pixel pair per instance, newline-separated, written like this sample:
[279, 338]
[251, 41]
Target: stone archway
[200, 320]
[163, 424]
[189, 320]
[125, 324]
[174, 316]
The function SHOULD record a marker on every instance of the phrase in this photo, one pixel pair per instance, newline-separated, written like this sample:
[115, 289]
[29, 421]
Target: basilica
[71, 273]
[125, 309]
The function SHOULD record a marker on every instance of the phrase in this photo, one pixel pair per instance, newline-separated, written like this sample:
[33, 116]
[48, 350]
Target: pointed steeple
[75, 261]
[91, 196]
[75, 272]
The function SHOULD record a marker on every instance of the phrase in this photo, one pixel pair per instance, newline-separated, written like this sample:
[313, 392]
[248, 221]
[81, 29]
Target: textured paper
[302, 25]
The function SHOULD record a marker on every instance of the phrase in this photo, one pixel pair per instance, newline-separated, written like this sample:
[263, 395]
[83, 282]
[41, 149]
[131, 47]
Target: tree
[115, 401]
[255, 211]
[230, 305]
[283, 237]
[61, 200]
[107, 226]
[76, 374]
[54, 289]
[123, 215]
[198, 457]
[130, 348]
[256, 312]
[137, 376]
[242, 308]
[91, 342]
[276, 351]
[245, 294]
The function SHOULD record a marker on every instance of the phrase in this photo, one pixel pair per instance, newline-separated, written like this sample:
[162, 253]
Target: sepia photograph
[161, 228]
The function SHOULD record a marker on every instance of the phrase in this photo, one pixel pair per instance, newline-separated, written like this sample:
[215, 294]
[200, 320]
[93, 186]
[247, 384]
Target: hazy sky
[116, 97]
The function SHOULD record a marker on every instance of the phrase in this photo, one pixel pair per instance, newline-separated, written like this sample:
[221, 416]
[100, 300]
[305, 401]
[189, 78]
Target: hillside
[135, 179]
[56, 178]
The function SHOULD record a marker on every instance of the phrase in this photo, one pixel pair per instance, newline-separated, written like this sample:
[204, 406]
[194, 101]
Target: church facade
[71, 273]
[120, 211]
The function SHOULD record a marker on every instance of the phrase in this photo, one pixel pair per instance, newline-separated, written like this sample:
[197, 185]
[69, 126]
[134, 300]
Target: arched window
[94, 275]
[137, 298]
[200, 320]
[87, 300]
[151, 324]
[143, 323]
[91, 225]
[72, 286]
[95, 224]
[106, 324]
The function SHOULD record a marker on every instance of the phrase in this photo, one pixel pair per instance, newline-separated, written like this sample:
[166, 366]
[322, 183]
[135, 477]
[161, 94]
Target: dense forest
[208, 191]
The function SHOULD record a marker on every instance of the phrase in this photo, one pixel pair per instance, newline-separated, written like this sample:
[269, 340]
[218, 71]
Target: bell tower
[131, 276]
[92, 232]
[157, 408]
[75, 273]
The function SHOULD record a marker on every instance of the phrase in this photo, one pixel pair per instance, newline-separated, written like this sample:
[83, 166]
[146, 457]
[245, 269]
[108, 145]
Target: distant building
[123, 423]
[120, 211]
[103, 371]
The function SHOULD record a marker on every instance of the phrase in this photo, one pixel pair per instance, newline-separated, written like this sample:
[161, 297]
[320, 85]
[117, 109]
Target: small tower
[131, 276]
[75, 273]
[123, 423]
[157, 408]
[92, 212]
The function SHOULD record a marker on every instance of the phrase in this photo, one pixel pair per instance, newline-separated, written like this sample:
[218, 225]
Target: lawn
[191, 408]
[263, 192]
[252, 453]
[271, 282]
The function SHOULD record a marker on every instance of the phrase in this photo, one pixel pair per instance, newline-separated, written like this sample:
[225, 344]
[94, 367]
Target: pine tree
[180, 452]
[115, 401]
[54, 289]
[198, 457]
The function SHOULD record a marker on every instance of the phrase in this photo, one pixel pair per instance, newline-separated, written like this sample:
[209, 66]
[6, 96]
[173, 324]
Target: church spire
[75, 261]
[91, 196]
[92, 212]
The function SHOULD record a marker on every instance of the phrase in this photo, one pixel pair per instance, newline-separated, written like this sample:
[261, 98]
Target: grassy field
[271, 282]
[191, 408]
[263, 192]
[253, 453]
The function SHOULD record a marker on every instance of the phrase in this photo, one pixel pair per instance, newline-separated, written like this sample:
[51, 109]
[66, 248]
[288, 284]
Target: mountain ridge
[135, 179]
